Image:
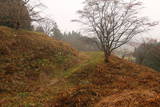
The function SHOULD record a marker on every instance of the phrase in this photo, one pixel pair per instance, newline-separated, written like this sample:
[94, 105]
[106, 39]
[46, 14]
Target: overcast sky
[63, 11]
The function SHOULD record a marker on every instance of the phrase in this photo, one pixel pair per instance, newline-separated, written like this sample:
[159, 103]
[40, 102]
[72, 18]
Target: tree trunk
[17, 25]
[106, 55]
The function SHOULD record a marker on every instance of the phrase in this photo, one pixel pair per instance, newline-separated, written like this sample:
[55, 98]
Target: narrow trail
[118, 88]
[53, 82]
[92, 58]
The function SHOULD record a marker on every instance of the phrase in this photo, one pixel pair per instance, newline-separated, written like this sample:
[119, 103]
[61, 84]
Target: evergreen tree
[14, 14]
[57, 33]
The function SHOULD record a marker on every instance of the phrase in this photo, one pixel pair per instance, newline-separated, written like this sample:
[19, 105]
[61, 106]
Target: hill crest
[25, 55]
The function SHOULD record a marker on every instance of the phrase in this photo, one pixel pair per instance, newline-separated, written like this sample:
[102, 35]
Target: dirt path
[53, 81]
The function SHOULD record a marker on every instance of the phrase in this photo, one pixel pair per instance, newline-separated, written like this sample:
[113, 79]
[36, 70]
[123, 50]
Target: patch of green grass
[23, 94]
[43, 62]
[93, 60]
[33, 105]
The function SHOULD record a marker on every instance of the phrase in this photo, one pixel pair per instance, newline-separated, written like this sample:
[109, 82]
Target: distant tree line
[80, 42]
[148, 54]
[75, 39]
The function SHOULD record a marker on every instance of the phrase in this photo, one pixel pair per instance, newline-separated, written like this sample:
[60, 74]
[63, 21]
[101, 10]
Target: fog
[63, 11]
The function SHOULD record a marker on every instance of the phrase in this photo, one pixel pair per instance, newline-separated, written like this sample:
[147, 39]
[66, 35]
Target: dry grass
[28, 60]
[116, 84]
[38, 71]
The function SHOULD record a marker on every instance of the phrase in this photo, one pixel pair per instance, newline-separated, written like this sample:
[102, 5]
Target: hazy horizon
[64, 11]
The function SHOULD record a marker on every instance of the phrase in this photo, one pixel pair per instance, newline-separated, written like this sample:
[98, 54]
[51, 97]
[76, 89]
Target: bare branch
[115, 22]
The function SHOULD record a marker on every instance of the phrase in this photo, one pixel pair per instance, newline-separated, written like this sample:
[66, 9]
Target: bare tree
[50, 28]
[114, 22]
[47, 26]
[26, 2]
[35, 15]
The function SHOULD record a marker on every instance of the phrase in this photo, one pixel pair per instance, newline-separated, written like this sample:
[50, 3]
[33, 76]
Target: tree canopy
[114, 22]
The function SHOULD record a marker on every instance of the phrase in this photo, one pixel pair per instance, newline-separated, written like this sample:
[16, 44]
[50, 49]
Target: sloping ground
[38, 71]
[131, 98]
[116, 84]
[28, 58]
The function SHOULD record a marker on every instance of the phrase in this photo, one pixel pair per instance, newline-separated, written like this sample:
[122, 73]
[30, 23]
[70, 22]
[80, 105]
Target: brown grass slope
[28, 57]
[116, 84]
[35, 67]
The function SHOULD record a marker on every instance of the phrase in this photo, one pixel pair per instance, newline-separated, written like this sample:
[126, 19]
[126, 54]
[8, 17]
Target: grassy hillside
[28, 57]
[38, 71]
[117, 84]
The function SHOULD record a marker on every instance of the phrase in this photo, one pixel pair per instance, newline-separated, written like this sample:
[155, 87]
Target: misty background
[63, 11]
